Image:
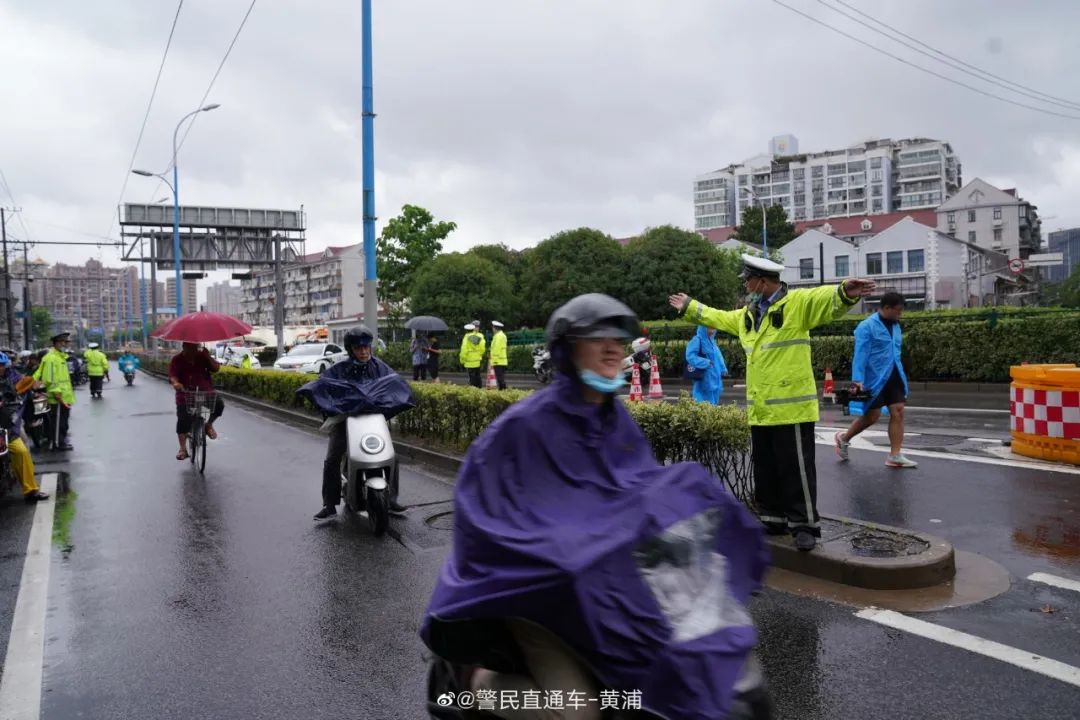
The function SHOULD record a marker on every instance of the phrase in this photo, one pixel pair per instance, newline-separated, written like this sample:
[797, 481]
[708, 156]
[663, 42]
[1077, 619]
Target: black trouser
[96, 382]
[57, 424]
[183, 416]
[474, 377]
[336, 448]
[500, 376]
[785, 477]
[433, 370]
[419, 372]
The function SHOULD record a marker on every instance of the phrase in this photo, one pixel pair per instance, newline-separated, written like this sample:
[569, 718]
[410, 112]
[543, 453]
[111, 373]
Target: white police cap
[754, 266]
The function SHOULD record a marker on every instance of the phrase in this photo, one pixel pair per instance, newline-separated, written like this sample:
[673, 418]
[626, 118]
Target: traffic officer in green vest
[781, 394]
[471, 354]
[53, 374]
[499, 358]
[97, 368]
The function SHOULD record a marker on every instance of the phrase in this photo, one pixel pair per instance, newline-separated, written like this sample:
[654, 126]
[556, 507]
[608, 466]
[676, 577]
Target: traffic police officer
[781, 395]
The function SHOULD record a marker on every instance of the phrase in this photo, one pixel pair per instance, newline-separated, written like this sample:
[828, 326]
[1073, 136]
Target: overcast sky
[514, 118]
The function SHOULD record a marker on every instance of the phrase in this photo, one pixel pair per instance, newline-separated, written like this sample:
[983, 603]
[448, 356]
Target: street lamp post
[764, 221]
[175, 187]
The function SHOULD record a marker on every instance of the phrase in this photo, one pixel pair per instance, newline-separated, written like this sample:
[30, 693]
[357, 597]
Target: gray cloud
[515, 119]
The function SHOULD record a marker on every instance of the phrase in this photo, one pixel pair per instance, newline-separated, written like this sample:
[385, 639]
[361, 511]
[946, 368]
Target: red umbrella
[202, 327]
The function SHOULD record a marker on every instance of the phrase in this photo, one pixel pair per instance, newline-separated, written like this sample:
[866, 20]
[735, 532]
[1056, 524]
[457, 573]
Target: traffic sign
[1016, 265]
[1046, 259]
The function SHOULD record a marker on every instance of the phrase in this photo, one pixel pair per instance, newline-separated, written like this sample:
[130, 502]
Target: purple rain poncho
[563, 517]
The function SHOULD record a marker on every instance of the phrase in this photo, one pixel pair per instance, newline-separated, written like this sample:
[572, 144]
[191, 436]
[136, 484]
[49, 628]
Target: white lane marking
[972, 643]
[1060, 582]
[825, 436]
[20, 686]
[972, 411]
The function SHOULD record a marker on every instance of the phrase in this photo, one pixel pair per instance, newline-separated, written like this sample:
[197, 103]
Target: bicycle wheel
[202, 449]
[193, 438]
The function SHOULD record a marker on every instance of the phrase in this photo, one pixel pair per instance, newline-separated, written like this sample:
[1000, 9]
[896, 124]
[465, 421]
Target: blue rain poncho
[703, 354]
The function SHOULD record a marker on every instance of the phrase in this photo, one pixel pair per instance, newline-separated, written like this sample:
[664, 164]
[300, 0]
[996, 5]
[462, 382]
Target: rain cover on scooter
[563, 517]
[388, 395]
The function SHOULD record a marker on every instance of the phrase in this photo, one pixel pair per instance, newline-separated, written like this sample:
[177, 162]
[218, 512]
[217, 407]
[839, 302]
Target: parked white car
[311, 358]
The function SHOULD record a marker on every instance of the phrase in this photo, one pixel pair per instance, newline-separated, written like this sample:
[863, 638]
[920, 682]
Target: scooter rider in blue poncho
[583, 568]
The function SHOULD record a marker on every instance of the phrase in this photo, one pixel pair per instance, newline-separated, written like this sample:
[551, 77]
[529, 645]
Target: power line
[958, 65]
[146, 116]
[928, 71]
[1066, 102]
[209, 87]
[15, 210]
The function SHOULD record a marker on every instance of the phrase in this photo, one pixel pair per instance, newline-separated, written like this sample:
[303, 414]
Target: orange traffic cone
[635, 385]
[492, 382]
[829, 391]
[656, 390]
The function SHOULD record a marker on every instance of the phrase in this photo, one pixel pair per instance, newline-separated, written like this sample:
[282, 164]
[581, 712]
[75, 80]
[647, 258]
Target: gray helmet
[592, 315]
[359, 336]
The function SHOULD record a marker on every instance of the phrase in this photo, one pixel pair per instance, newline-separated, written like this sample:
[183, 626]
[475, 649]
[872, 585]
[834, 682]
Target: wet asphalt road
[218, 597]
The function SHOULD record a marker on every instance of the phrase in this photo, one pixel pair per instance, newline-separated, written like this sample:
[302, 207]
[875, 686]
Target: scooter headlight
[372, 444]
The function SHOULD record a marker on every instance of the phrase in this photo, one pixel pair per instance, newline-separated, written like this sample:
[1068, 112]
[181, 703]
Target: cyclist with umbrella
[192, 368]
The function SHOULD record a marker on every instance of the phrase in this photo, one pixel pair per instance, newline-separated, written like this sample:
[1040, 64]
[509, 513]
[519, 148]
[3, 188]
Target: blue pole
[371, 301]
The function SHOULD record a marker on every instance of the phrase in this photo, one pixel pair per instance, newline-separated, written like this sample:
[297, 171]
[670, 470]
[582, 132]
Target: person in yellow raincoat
[53, 374]
[471, 354]
[781, 393]
[499, 358]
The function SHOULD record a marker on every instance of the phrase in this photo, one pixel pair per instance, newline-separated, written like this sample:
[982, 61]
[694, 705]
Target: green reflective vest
[97, 363]
[53, 374]
[498, 349]
[780, 387]
[472, 350]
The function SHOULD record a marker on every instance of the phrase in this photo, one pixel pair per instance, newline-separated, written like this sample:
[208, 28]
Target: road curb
[834, 558]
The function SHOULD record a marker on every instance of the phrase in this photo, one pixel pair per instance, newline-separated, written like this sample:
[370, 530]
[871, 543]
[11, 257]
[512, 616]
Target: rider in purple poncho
[599, 566]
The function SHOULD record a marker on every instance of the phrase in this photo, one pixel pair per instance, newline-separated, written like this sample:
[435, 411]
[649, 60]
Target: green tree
[568, 264]
[408, 241]
[41, 325]
[512, 264]
[1069, 291]
[781, 230]
[667, 259]
[459, 287]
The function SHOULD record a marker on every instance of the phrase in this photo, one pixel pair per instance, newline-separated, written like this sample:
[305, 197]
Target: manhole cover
[441, 521]
[877, 544]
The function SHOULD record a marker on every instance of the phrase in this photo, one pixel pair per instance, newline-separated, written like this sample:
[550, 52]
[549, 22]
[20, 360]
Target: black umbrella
[426, 323]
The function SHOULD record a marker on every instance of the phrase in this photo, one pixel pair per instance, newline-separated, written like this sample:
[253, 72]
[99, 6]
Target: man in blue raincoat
[877, 368]
[703, 354]
[360, 367]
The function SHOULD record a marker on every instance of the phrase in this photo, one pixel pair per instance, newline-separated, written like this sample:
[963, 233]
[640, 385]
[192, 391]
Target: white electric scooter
[369, 469]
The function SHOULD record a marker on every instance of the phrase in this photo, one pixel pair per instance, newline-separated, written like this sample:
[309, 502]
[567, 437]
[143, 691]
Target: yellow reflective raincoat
[53, 374]
[472, 350]
[498, 349]
[780, 386]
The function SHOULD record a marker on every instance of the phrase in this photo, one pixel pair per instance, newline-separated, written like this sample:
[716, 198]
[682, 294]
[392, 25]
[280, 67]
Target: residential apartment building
[224, 298]
[930, 269]
[871, 178]
[992, 218]
[144, 295]
[190, 290]
[1066, 242]
[321, 287]
[91, 296]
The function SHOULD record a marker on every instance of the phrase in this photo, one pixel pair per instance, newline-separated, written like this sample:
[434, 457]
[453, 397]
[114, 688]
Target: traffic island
[872, 556]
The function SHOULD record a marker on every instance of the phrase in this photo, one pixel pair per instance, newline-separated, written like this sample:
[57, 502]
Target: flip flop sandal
[181, 456]
[211, 433]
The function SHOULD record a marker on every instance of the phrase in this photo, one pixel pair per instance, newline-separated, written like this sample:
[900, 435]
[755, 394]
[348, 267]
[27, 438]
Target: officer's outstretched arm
[726, 321]
[817, 306]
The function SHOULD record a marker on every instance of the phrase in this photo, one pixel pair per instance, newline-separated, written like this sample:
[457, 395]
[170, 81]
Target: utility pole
[9, 310]
[371, 285]
[28, 324]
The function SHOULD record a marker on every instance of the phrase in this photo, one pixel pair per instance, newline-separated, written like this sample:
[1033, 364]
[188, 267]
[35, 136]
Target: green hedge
[452, 416]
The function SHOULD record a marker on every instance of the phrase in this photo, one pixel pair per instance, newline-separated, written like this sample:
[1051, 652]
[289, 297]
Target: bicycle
[200, 405]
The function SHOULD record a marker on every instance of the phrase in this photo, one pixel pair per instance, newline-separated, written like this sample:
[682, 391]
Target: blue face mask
[600, 383]
[755, 297]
